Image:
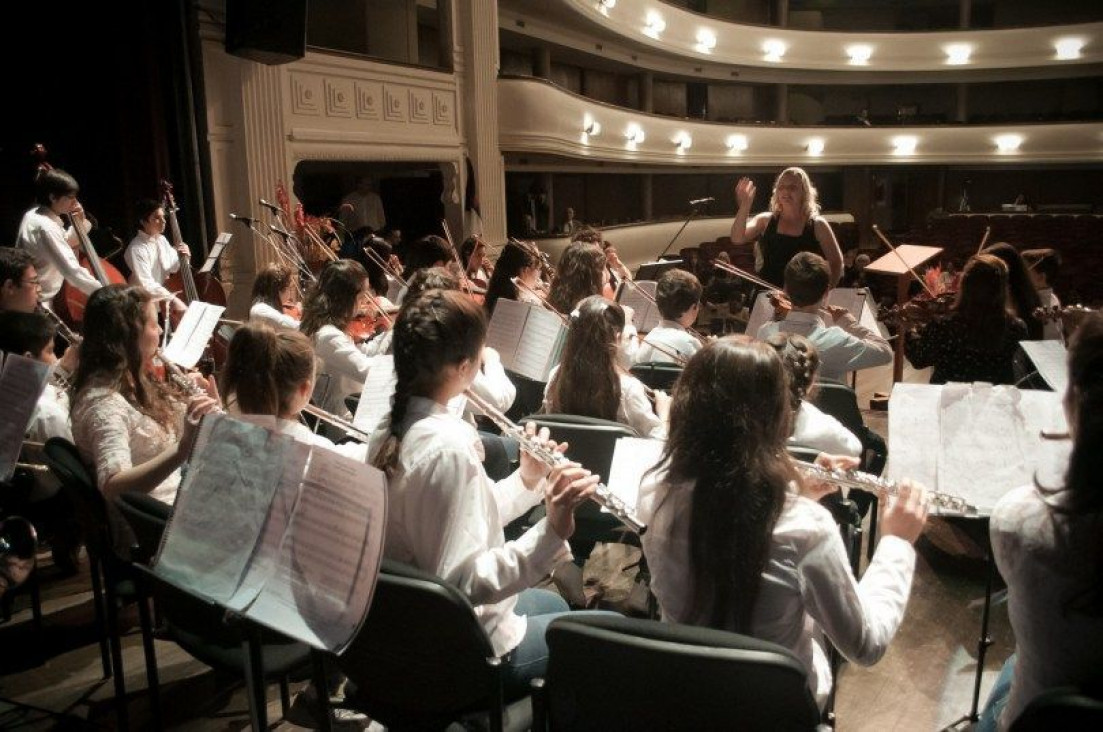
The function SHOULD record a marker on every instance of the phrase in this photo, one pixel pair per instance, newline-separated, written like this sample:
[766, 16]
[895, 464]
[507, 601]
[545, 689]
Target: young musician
[1046, 543]
[444, 515]
[50, 241]
[811, 427]
[1024, 297]
[843, 347]
[733, 545]
[590, 381]
[516, 260]
[32, 335]
[473, 258]
[977, 342]
[428, 251]
[150, 256]
[793, 224]
[131, 428]
[274, 297]
[581, 273]
[678, 296]
[340, 294]
[20, 285]
[1043, 265]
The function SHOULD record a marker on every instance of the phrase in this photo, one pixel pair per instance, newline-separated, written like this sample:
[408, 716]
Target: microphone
[699, 201]
[279, 230]
[271, 207]
[244, 219]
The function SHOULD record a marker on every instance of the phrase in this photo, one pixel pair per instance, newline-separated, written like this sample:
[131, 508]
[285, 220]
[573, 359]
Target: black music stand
[985, 639]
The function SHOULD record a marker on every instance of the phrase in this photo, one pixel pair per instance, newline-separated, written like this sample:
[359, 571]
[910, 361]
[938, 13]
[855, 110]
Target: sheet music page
[375, 399]
[191, 336]
[222, 506]
[395, 290]
[216, 251]
[22, 382]
[645, 315]
[1050, 358]
[913, 433]
[632, 458]
[329, 561]
[506, 325]
[540, 344]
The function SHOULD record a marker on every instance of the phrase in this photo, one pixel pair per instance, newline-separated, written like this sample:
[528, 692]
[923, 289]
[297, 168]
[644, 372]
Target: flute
[177, 376]
[550, 457]
[351, 429]
[62, 329]
[943, 503]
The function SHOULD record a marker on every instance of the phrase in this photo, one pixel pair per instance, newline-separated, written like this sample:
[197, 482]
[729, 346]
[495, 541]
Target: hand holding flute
[567, 483]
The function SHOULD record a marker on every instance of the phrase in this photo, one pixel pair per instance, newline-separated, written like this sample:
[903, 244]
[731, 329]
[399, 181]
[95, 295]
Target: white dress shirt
[671, 336]
[1054, 647]
[1051, 329]
[445, 516]
[151, 260]
[262, 312]
[807, 585]
[492, 385]
[50, 244]
[634, 410]
[844, 347]
[341, 369]
[812, 428]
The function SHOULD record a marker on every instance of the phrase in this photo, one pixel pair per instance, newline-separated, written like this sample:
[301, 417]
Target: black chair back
[421, 658]
[657, 375]
[530, 396]
[841, 402]
[147, 517]
[1063, 708]
[590, 440]
[79, 486]
[606, 672]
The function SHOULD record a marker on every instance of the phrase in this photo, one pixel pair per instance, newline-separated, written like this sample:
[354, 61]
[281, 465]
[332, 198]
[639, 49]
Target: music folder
[645, 313]
[528, 338]
[220, 244]
[283, 532]
[22, 381]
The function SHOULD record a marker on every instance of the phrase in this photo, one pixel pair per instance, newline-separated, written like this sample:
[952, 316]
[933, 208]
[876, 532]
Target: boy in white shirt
[151, 257]
[843, 347]
[678, 297]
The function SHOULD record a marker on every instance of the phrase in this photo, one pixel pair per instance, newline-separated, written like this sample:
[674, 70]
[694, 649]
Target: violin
[920, 310]
[1070, 316]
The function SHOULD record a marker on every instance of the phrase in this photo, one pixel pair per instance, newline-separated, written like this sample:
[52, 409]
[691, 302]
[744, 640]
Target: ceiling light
[904, 144]
[859, 54]
[607, 4]
[1008, 143]
[591, 126]
[654, 25]
[706, 40]
[958, 53]
[737, 143]
[1068, 48]
[634, 134]
[683, 141]
[815, 146]
[774, 50]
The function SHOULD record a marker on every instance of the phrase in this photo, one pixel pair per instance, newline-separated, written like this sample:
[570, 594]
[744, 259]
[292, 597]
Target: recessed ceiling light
[1008, 143]
[859, 54]
[654, 24]
[958, 53]
[706, 40]
[683, 140]
[904, 144]
[774, 49]
[634, 134]
[1068, 48]
[815, 146]
[737, 143]
[591, 126]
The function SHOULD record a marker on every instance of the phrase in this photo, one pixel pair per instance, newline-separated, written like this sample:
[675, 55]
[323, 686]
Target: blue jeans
[997, 699]
[529, 660]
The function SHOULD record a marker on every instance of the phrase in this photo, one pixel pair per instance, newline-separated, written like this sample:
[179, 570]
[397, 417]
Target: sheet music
[22, 382]
[505, 328]
[375, 399]
[632, 458]
[540, 345]
[220, 244]
[856, 300]
[645, 314]
[191, 336]
[1050, 358]
[325, 576]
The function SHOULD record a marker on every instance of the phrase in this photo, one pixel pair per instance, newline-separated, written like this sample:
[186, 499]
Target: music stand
[897, 264]
[651, 271]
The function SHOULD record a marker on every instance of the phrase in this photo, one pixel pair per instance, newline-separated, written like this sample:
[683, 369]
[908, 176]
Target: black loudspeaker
[267, 31]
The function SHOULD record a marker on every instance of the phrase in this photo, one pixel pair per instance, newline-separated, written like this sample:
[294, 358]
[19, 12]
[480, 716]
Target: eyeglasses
[36, 283]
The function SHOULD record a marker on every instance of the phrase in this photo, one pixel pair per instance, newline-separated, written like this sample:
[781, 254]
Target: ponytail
[801, 360]
[265, 367]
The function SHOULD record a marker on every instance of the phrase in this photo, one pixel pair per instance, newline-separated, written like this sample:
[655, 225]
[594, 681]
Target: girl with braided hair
[445, 516]
[811, 427]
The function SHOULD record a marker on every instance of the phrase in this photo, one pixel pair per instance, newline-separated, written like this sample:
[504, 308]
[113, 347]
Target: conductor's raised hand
[744, 193]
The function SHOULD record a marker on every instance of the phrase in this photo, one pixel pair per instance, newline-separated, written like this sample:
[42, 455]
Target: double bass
[70, 301]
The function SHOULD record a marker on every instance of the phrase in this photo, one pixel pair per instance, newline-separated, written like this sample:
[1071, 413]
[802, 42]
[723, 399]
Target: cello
[70, 301]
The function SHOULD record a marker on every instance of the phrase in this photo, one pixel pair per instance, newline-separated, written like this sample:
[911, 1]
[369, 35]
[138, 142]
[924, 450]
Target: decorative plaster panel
[369, 100]
[306, 95]
[339, 97]
[394, 103]
[420, 102]
[443, 111]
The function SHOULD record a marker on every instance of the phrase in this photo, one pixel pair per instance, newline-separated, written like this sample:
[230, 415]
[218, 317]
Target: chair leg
[116, 652]
[254, 680]
[871, 541]
[539, 706]
[101, 624]
[498, 696]
[321, 687]
[152, 677]
[285, 695]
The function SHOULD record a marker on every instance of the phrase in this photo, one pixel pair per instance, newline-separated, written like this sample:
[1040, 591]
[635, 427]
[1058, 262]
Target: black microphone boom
[243, 219]
[271, 207]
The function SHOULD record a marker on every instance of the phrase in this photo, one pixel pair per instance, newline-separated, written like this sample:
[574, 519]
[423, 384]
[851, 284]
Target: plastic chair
[422, 659]
[1061, 708]
[606, 672]
[657, 374]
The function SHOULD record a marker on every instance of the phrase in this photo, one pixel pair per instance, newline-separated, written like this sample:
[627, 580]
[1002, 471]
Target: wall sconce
[859, 54]
[958, 54]
[1008, 143]
[591, 127]
[904, 145]
[774, 50]
[1068, 48]
[737, 143]
[706, 40]
[634, 134]
[654, 24]
[815, 146]
[683, 141]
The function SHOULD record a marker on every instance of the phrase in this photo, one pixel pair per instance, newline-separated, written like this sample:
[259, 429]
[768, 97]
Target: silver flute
[943, 503]
[550, 457]
[62, 329]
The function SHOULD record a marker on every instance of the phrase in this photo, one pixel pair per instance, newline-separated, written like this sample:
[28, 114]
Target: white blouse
[151, 260]
[262, 312]
[50, 244]
[634, 409]
[807, 585]
[671, 336]
[114, 436]
[342, 367]
[1053, 647]
[812, 428]
[445, 516]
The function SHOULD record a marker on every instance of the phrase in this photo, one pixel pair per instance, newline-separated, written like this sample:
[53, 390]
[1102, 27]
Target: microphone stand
[692, 213]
